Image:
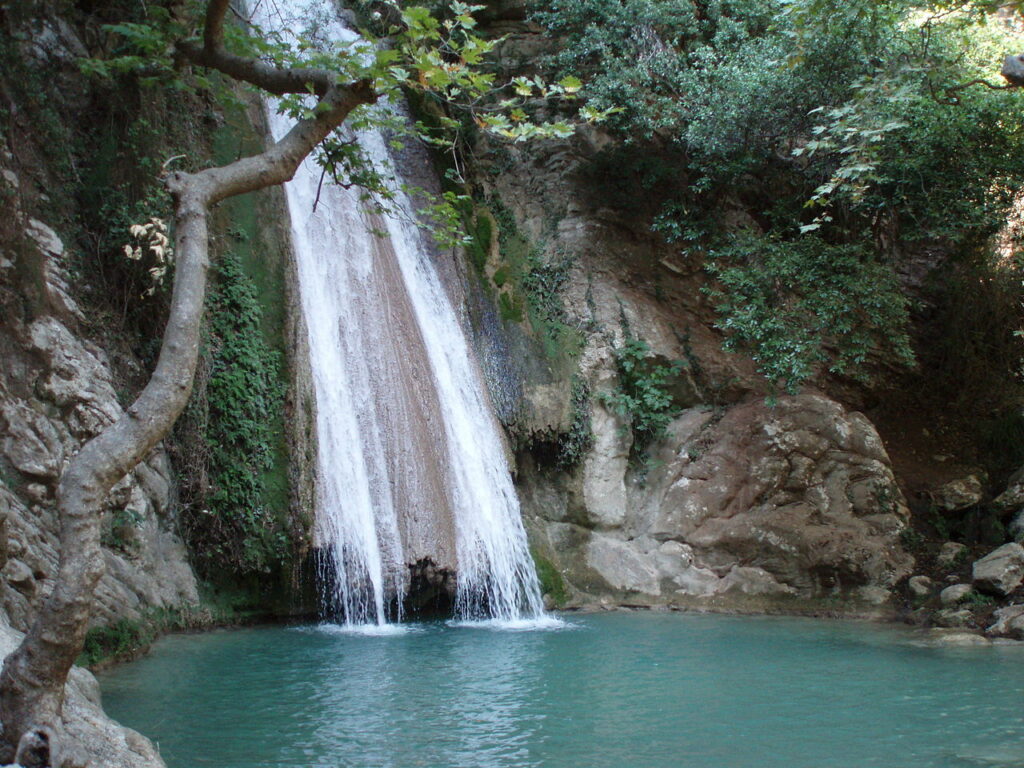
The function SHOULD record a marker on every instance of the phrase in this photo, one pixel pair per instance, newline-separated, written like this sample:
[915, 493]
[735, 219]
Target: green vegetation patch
[236, 527]
[551, 581]
[799, 304]
[643, 395]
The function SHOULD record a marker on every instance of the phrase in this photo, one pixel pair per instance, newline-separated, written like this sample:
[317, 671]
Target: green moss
[126, 639]
[501, 276]
[537, 283]
[574, 444]
[511, 307]
[481, 235]
[551, 581]
[244, 400]
[644, 394]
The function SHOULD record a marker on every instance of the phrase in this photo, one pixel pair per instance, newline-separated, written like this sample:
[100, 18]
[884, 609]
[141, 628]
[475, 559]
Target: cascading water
[411, 464]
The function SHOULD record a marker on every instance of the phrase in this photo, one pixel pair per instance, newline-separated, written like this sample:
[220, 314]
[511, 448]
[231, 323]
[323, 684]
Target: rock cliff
[56, 391]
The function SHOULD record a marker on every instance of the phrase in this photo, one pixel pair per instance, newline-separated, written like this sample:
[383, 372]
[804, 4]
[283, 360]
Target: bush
[797, 305]
[643, 394]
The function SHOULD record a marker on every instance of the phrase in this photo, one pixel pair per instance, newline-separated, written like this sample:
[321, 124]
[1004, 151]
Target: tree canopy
[840, 127]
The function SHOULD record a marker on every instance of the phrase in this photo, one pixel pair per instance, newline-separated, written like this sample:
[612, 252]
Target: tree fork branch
[33, 676]
[275, 80]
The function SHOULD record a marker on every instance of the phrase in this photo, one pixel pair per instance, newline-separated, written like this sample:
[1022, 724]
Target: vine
[235, 525]
[643, 395]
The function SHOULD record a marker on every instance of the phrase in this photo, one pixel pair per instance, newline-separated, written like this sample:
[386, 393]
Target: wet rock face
[795, 501]
[431, 589]
[56, 392]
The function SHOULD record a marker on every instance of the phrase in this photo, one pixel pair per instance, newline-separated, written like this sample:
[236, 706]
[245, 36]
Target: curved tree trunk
[33, 677]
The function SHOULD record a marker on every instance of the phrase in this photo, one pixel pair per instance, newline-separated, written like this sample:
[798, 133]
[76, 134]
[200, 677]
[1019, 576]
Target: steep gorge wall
[57, 389]
[744, 505]
[826, 501]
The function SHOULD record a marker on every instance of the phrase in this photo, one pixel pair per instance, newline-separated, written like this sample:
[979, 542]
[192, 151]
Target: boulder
[950, 554]
[792, 501]
[921, 586]
[1009, 622]
[622, 566]
[961, 639]
[955, 594]
[803, 491]
[1013, 497]
[961, 493]
[1001, 571]
[954, 617]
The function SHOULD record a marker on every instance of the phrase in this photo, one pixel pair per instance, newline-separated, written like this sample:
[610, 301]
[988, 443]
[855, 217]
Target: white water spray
[408, 446]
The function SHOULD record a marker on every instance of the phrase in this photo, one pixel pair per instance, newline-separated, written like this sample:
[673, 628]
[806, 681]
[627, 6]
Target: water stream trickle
[411, 465]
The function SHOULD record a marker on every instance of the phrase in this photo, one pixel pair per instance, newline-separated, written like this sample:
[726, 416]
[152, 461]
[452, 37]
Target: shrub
[643, 394]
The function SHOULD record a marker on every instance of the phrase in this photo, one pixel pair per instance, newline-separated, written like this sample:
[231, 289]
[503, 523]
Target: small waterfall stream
[411, 465]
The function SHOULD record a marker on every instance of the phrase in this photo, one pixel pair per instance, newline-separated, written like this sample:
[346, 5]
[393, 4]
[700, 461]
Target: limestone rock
[56, 391]
[951, 553]
[795, 501]
[753, 581]
[19, 576]
[961, 639]
[1013, 497]
[621, 566]
[1001, 571]
[96, 741]
[954, 617]
[604, 470]
[921, 586]
[955, 594]
[1009, 622]
[802, 491]
[873, 595]
[55, 283]
[961, 493]
[31, 442]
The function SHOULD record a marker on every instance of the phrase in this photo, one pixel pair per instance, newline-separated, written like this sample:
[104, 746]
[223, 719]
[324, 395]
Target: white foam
[367, 630]
[544, 623]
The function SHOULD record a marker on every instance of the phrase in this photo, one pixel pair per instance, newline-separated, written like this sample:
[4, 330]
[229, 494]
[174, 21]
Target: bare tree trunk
[33, 677]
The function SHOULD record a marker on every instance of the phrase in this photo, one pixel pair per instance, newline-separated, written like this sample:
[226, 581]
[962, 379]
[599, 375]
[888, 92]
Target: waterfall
[411, 464]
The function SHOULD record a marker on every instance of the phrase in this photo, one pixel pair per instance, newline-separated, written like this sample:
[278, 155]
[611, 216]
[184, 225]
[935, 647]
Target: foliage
[530, 285]
[643, 395]
[574, 444]
[124, 637]
[913, 136]
[794, 305]
[976, 600]
[912, 540]
[408, 48]
[860, 121]
[236, 528]
[151, 242]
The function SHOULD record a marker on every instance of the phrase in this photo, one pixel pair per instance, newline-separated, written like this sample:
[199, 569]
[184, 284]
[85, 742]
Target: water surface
[606, 691]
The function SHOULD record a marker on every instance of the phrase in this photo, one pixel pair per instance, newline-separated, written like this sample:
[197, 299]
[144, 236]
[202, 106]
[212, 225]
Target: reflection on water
[606, 691]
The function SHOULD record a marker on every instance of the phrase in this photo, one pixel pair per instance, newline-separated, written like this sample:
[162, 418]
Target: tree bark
[33, 677]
